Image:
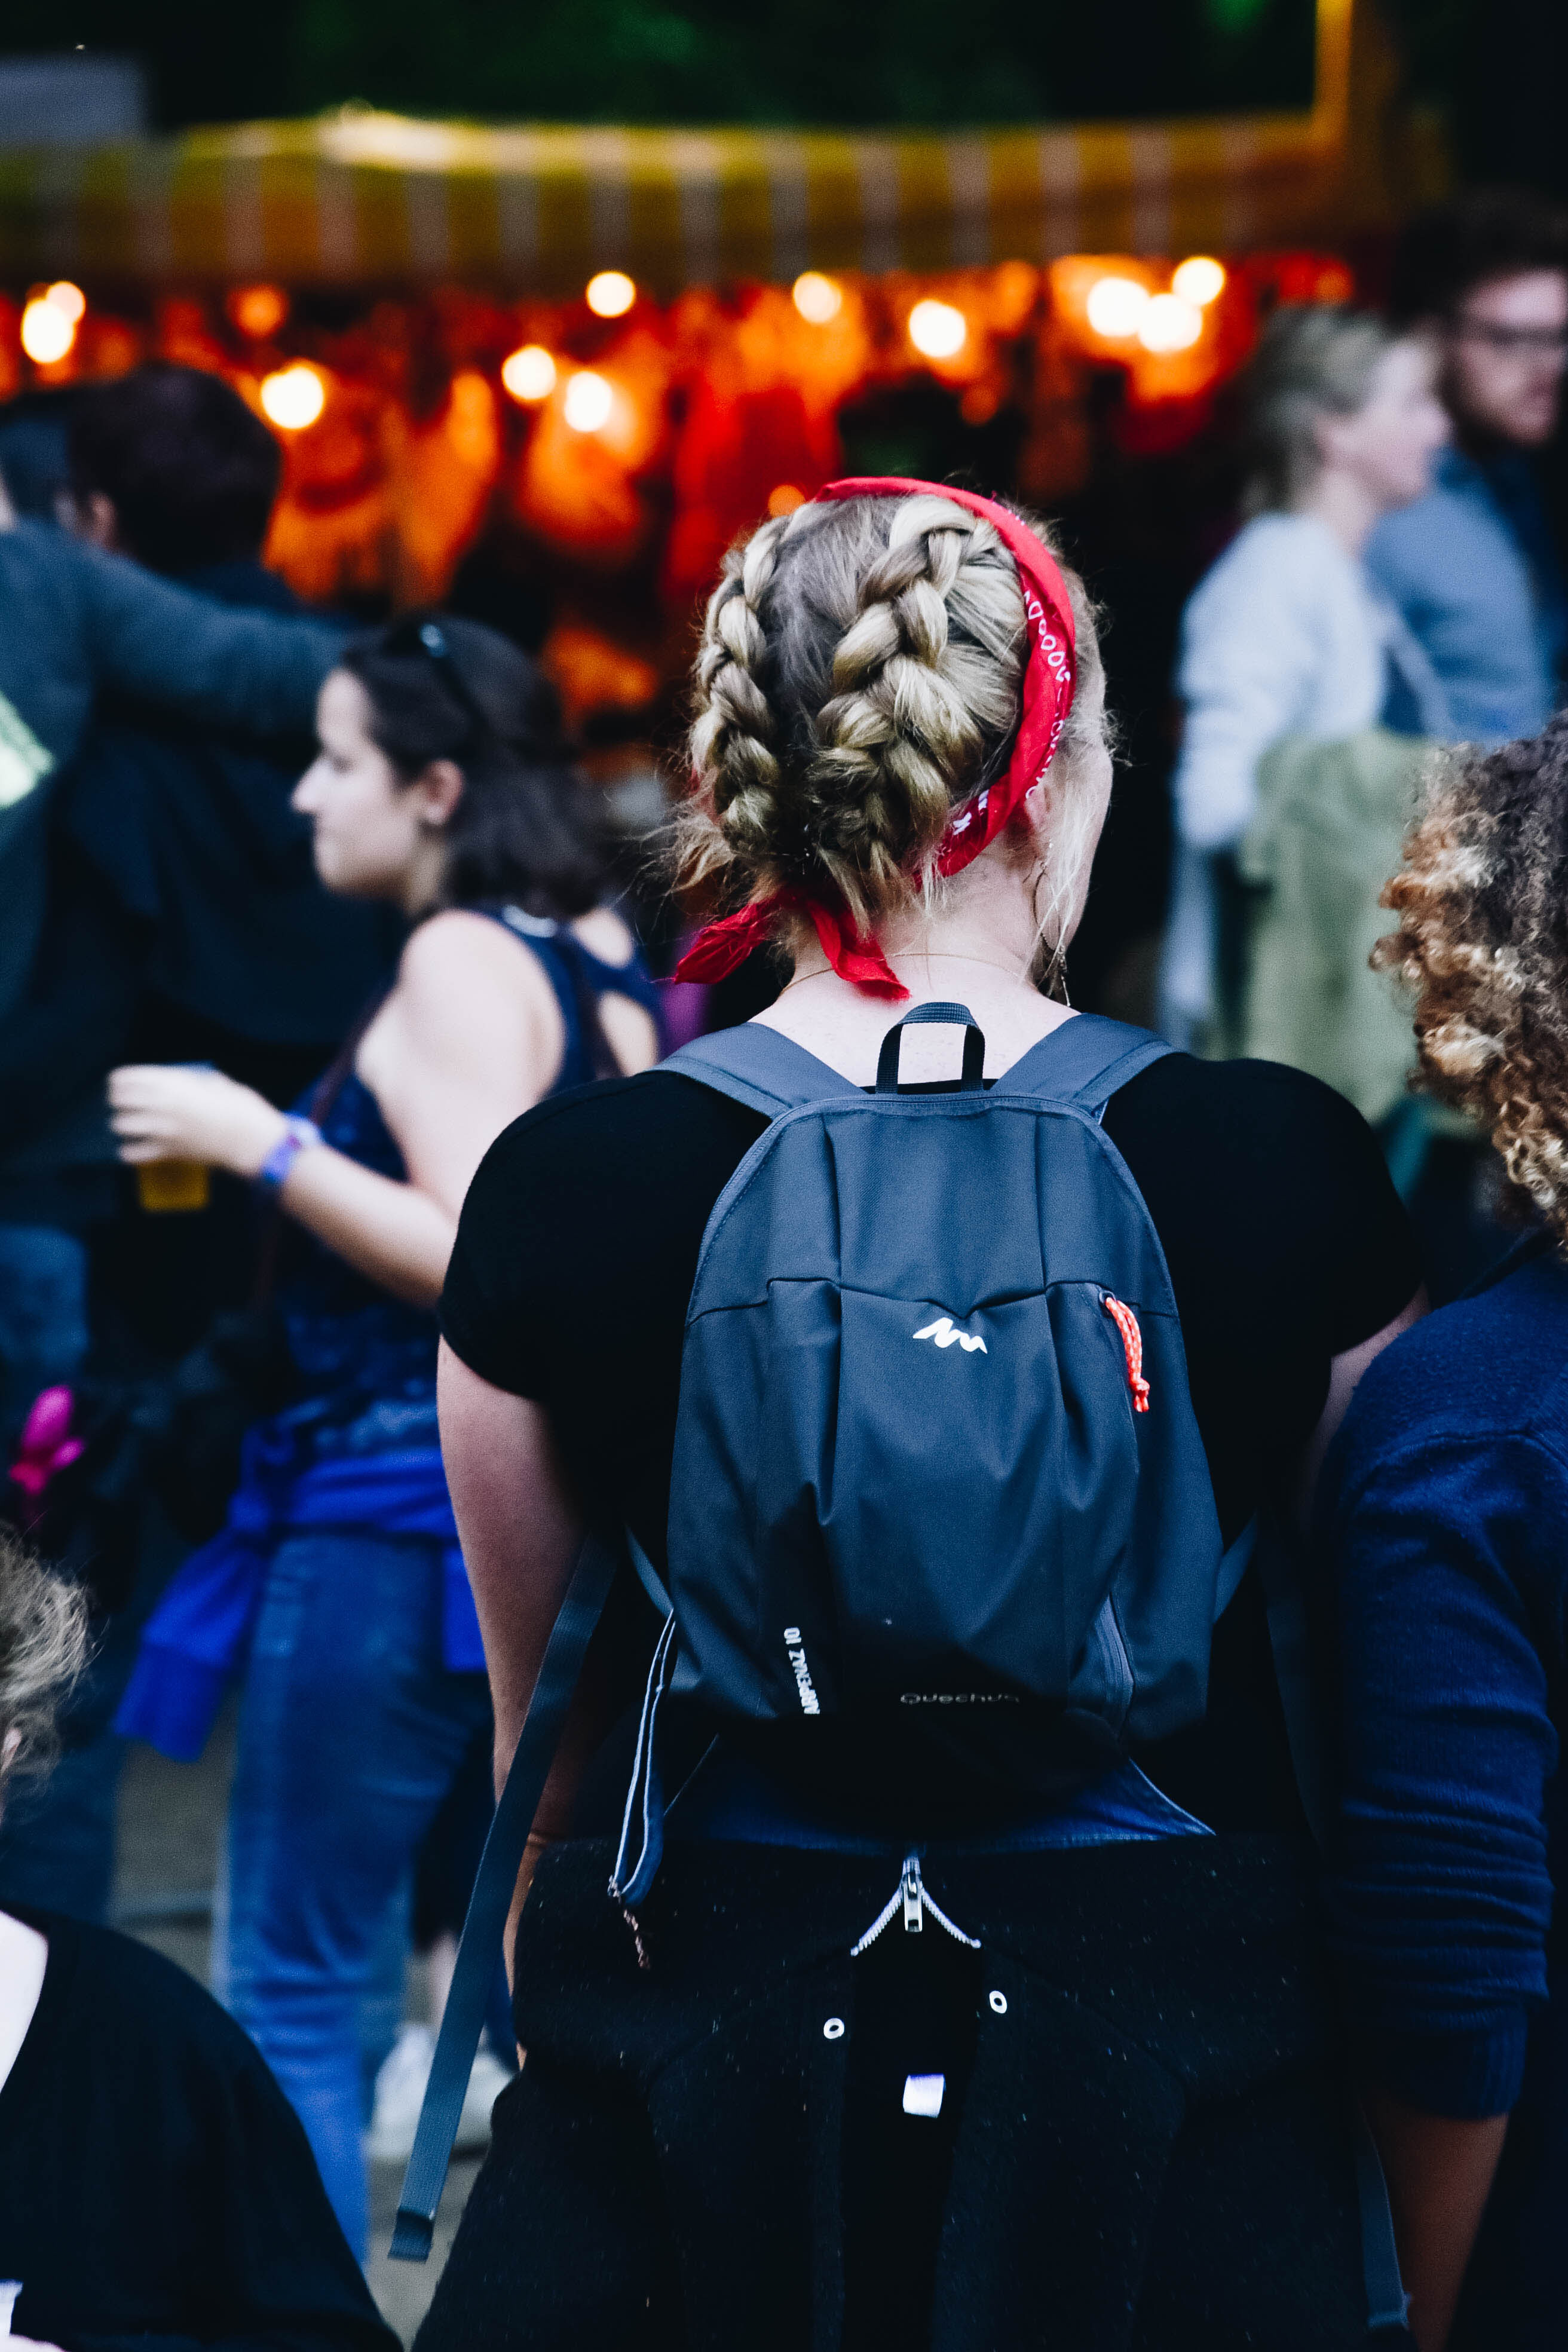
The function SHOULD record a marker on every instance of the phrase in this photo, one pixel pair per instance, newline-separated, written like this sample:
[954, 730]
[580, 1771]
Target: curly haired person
[664, 2173]
[154, 2185]
[1444, 1507]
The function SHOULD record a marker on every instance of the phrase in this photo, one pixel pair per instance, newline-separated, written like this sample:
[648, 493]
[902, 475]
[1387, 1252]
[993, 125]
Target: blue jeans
[352, 1730]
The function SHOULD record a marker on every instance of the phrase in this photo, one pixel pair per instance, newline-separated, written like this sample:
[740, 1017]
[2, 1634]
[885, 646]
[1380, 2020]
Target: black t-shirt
[156, 2187]
[1286, 1242]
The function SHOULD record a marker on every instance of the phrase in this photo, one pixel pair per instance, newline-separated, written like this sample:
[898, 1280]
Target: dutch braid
[859, 676]
[898, 744]
[733, 759]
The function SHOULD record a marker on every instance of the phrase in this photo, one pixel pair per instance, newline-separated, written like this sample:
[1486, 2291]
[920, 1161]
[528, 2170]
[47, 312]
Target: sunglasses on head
[429, 639]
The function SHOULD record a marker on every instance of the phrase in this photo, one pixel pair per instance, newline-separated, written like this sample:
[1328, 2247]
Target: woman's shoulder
[607, 938]
[1489, 1367]
[1260, 1175]
[1288, 555]
[459, 944]
[1251, 1109]
[611, 1185]
[123, 1995]
[466, 986]
[619, 1131]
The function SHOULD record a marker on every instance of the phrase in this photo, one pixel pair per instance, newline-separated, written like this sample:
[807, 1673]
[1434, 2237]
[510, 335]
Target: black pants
[1143, 2141]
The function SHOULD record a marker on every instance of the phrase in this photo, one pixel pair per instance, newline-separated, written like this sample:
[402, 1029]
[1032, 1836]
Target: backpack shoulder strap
[758, 1066]
[1085, 1061]
[485, 1926]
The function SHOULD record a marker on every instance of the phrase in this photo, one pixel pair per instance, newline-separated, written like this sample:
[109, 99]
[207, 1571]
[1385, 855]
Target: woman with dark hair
[443, 789]
[1446, 1514]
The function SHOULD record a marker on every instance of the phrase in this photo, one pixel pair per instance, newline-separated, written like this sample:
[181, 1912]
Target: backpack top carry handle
[948, 1016]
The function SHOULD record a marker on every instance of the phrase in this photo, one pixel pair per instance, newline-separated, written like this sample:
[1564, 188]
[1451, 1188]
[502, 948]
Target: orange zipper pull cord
[1126, 1323]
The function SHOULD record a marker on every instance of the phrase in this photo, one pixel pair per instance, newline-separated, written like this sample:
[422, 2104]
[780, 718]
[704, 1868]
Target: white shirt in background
[1283, 637]
[1286, 635]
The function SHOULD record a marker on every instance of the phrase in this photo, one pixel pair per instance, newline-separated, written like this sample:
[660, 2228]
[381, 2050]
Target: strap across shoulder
[1084, 1062]
[758, 1066]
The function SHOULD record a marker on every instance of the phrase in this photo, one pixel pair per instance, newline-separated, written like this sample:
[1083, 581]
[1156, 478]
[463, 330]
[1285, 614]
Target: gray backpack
[935, 1448]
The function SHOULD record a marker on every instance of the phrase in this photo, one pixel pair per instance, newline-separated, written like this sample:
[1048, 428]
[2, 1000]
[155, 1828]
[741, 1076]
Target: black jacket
[181, 919]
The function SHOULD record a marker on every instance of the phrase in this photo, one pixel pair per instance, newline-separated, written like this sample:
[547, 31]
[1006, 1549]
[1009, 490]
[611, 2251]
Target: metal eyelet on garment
[998, 2001]
[834, 2029]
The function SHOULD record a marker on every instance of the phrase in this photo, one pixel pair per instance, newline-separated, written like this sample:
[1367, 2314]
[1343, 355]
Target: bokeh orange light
[816, 297]
[293, 397]
[257, 310]
[47, 333]
[1170, 324]
[610, 294]
[1199, 280]
[937, 330]
[528, 374]
[588, 402]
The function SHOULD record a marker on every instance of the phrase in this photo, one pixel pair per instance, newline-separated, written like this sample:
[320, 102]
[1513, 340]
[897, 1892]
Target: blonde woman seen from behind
[757, 2118]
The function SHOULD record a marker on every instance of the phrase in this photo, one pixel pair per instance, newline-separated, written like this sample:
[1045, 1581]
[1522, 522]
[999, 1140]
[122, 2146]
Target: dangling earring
[1053, 978]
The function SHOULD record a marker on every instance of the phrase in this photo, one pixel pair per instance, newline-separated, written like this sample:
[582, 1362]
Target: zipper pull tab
[914, 1895]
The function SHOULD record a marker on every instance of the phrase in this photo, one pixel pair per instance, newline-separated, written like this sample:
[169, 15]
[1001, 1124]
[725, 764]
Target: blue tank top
[372, 1355]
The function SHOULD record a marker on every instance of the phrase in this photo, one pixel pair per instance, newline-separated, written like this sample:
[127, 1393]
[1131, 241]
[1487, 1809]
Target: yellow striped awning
[360, 197]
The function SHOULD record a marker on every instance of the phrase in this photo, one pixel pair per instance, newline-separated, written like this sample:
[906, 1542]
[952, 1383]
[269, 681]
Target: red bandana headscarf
[1048, 676]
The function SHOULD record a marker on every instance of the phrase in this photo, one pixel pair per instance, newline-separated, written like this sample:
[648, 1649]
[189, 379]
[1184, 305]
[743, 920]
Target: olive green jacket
[1328, 833]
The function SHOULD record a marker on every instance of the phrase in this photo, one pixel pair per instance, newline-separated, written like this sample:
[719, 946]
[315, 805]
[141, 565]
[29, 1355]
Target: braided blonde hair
[858, 678]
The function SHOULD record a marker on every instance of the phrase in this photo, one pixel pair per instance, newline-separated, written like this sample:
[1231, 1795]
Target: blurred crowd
[302, 915]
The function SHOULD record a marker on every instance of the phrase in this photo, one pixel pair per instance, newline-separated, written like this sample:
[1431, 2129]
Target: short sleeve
[1287, 1245]
[577, 1245]
[489, 1308]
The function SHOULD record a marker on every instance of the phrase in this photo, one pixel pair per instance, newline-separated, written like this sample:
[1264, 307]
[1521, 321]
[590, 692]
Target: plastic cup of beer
[170, 1187]
[175, 1187]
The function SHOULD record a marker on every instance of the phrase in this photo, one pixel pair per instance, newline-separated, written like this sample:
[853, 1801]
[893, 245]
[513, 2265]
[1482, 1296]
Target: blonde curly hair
[43, 1649]
[1482, 903]
[859, 676]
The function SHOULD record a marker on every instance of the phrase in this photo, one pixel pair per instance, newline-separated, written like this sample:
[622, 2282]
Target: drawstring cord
[1126, 1323]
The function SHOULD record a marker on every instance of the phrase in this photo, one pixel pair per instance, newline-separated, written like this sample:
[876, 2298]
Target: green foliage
[1234, 16]
[942, 63]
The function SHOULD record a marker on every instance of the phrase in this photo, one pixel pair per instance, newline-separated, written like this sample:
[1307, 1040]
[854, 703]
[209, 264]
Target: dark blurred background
[1500, 68]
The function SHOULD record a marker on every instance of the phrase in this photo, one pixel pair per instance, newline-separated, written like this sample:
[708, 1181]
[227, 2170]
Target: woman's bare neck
[844, 1027]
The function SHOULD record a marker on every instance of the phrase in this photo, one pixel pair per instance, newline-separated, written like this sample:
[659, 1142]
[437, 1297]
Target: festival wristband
[299, 1135]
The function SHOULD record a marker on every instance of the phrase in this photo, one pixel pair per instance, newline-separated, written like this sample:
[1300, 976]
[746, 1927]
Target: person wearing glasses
[1472, 566]
[443, 789]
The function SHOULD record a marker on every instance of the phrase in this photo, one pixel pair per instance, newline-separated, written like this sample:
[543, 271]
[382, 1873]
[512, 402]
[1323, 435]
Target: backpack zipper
[911, 1896]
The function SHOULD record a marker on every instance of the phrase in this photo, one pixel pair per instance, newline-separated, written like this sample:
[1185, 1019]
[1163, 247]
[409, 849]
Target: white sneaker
[400, 2093]
[486, 2084]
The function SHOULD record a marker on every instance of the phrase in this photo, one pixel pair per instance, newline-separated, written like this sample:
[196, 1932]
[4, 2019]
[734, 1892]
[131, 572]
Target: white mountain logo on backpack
[946, 1335]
